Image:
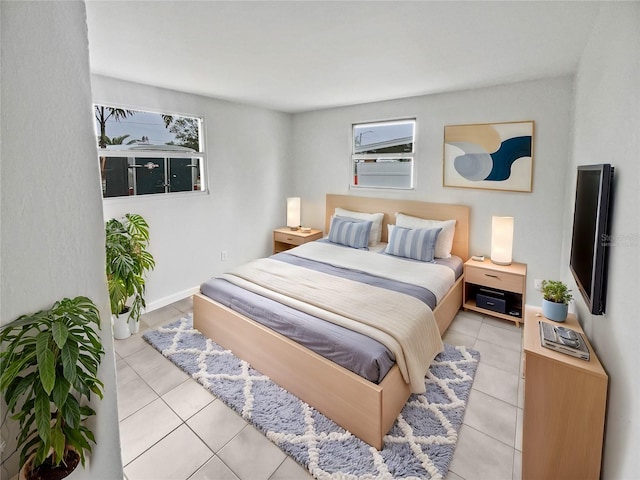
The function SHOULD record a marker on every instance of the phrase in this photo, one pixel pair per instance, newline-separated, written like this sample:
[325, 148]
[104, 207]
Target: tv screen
[590, 240]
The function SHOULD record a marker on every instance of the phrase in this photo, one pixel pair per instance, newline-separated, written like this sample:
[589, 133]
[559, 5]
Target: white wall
[248, 154]
[321, 149]
[607, 129]
[52, 239]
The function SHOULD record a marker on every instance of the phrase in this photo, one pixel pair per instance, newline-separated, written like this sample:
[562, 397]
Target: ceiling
[297, 56]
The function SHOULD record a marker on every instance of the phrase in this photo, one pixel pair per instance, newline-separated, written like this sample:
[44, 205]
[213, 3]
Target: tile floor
[171, 428]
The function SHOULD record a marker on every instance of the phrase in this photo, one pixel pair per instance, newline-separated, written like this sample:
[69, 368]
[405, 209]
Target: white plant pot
[74, 474]
[121, 328]
[134, 326]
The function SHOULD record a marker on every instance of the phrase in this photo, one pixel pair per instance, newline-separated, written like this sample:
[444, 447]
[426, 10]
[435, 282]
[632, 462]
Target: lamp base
[500, 263]
[294, 228]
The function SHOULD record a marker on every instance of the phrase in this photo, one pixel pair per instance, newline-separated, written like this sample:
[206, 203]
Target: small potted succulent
[49, 362]
[555, 300]
[128, 261]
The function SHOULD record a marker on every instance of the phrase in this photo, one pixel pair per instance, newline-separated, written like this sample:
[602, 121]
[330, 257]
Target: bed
[366, 408]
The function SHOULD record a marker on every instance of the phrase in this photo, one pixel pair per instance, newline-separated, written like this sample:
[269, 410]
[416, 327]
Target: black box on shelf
[493, 300]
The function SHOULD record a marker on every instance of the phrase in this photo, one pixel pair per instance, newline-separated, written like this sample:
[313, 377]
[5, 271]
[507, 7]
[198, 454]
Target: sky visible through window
[147, 128]
[141, 124]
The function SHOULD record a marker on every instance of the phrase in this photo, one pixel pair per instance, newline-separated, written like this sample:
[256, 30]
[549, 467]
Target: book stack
[563, 340]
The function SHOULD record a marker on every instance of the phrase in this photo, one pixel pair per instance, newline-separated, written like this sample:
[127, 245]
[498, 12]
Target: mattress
[354, 351]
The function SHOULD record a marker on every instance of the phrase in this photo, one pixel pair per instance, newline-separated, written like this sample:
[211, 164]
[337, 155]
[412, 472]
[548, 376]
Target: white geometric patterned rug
[419, 446]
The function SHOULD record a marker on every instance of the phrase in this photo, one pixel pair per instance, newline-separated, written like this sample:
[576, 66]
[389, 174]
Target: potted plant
[49, 363]
[128, 261]
[555, 300]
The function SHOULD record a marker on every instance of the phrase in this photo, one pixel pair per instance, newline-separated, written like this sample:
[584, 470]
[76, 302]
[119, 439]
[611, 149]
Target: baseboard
[163, 302]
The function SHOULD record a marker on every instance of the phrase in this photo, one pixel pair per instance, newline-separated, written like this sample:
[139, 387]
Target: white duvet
[436, 278]
[404, 324]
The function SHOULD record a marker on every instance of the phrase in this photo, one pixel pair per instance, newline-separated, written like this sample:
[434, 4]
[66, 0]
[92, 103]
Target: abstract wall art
[494, 156]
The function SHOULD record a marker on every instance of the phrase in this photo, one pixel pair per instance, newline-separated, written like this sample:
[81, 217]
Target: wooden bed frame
[364, 408]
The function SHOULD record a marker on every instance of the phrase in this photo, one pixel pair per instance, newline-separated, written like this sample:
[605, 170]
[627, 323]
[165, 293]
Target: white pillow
[445, 239]
[376, 218]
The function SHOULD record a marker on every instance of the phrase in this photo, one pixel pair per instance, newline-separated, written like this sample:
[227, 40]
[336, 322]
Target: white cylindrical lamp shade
[293, 212]
[501, 240]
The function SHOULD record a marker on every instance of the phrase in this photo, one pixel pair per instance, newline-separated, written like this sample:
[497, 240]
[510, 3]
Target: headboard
[433, 211]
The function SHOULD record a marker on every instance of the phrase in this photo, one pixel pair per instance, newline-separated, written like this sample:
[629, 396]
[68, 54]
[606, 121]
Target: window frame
[157, 152]
[395, 158]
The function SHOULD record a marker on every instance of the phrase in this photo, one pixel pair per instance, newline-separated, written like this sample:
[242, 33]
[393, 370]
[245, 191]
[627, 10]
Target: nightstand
[565, 404]
[285, 238]
[497, 290]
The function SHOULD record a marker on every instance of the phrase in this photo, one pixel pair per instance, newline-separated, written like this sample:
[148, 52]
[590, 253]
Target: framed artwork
[493, 156]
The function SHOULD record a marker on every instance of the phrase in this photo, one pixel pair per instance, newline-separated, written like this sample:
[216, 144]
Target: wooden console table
[564, 408]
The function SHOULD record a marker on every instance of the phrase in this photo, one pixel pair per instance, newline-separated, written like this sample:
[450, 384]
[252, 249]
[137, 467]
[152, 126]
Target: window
[382, 154]
[145, 153]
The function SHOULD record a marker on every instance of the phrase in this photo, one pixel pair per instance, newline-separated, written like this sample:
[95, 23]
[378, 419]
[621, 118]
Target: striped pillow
[350, 232]
[417, 243]
[445, 239]
[376, 219]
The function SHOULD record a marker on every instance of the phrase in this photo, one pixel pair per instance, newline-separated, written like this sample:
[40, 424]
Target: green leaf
[46, 363]
[26, 414]
[60, 334]
[76, 437]
[90, 363]
[19, 324]
[86, 411]
[97, 388]
[42, 453]
[89, 434]
[95, 341]
[14, 391]
[69, 355]
[60, 392]
[27, 424]
[14, 368]
[43, 415]
[71, 412]
[58, 443]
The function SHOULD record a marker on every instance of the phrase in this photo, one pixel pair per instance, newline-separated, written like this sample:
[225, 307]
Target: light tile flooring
[171, 428]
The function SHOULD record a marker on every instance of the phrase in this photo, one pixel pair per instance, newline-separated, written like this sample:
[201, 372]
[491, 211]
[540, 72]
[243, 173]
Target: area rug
[420, 444]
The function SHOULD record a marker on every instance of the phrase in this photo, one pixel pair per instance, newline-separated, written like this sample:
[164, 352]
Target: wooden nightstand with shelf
[285, 238]
[501, 289]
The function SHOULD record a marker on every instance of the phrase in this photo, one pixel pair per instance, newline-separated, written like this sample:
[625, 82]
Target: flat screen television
[590, 241]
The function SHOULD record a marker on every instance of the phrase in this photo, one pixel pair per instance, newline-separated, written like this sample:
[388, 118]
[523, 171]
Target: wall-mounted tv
[590, 240]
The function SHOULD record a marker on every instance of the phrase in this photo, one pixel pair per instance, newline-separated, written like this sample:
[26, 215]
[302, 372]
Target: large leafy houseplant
[128, 261]
[49, 362]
